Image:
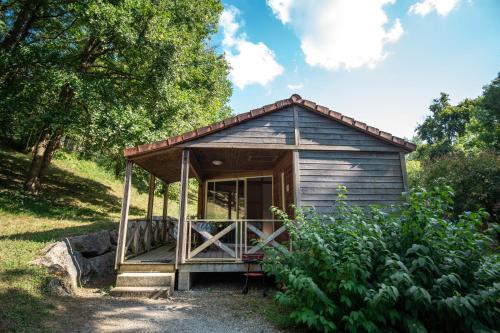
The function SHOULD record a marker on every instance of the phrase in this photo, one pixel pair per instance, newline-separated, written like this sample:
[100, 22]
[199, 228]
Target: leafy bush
[409, 269]
[475, 178]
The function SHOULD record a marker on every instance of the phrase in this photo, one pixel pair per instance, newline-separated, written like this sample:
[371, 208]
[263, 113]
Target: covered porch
[232, 190]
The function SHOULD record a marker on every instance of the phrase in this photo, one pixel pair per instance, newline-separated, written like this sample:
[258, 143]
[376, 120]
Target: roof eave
[134, 152]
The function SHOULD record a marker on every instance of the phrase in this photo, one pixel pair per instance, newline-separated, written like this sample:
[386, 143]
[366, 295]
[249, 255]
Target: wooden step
[147, 267]
[145, 279]
[141, 292]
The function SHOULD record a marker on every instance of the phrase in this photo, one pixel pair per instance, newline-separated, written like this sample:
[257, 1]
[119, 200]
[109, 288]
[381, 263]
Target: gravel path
[193, 311]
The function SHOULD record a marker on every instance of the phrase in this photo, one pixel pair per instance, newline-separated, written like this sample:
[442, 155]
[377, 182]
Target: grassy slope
[78, 197]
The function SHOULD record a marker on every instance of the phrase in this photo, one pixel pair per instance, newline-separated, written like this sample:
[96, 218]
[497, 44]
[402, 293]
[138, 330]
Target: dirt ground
[213, 305]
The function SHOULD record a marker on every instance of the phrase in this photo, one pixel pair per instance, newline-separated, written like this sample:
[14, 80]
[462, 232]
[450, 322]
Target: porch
[234, 190]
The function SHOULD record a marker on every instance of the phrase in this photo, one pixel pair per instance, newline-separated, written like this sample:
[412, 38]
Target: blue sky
[379, 61]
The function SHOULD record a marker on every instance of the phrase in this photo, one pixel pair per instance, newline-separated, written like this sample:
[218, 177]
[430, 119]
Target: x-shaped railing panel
[213, 239]
[266, 239]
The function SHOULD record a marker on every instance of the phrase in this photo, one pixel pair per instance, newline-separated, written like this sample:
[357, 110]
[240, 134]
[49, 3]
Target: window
[225, 200]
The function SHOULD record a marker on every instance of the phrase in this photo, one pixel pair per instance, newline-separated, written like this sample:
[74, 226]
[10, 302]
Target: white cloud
[281, 9]
[251, 63]
[297, 86]
[442, 7]
[340, 34]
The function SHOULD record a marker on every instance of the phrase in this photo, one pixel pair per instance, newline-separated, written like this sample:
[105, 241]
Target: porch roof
[236, 163]
[167, 144]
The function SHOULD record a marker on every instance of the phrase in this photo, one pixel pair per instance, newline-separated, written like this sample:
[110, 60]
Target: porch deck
[162, 254]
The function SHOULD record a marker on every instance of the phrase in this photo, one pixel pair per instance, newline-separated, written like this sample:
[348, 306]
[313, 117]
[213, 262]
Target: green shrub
[403, 269]
[475, 178]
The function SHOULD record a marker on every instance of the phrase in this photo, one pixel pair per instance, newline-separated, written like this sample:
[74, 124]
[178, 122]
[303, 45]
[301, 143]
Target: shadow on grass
[21, 311]
[59, 233]
[11, 275]
[64, 194]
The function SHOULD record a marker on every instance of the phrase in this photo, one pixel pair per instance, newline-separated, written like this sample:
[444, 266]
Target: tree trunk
[42, 156]
[118, 168]
[54, 144]
[23, 23]
[32, 183]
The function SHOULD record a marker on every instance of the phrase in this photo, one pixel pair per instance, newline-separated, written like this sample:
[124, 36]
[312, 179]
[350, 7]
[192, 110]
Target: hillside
[78, 197]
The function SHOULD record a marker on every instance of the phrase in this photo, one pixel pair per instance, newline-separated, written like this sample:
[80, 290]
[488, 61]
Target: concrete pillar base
[185, 280]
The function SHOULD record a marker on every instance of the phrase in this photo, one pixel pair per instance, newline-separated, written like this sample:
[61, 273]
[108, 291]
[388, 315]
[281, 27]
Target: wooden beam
[201, 200]
[195, 167]
[165, 202]
[122, 231]
[296, 178]
[165, 212]
[265, 146]
[149, 216]
[403, 171]
[239, 174]
[183, 198]
[296, 125]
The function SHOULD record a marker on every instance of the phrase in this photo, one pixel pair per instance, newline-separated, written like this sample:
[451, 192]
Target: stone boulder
[113, 236]
[56, 288]
[93, 244]
[103, 265]
[58, 259]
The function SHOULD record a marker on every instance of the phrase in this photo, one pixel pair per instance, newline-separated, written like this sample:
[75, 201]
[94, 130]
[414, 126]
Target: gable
[317, 130]
[276, 128]
[272, 126]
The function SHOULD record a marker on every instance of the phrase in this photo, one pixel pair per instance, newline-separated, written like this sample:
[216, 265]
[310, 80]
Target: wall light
[216, 162]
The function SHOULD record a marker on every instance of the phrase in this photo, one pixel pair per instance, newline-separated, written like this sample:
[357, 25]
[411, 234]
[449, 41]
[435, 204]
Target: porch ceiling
[166, 164]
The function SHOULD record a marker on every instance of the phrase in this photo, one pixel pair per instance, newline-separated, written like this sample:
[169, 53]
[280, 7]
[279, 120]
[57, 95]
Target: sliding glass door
[226, 200]
[239, 199]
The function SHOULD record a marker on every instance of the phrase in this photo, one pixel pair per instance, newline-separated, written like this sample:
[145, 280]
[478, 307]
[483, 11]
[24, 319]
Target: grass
[78, 197]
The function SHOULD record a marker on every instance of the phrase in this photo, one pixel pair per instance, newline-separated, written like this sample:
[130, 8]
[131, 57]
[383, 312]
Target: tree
[441, 130]
[106, 74]
[484, 128]
[460, 146]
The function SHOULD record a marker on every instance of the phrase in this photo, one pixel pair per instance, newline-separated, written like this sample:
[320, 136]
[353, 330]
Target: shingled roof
[266, 109]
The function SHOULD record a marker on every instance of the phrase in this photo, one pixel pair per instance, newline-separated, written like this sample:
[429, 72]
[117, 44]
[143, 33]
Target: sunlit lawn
[78, 197]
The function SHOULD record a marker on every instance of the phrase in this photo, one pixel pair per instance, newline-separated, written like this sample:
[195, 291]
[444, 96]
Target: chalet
[291, 152]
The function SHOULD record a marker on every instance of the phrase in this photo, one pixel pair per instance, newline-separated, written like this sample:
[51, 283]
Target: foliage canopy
[412, 269]
[460, 147]
[101, 75]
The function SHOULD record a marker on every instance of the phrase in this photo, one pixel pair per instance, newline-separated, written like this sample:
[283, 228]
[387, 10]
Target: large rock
[83, 267]
[104, 265]
[93, 244]
[56, 288]
[113, 236]
[58, 259]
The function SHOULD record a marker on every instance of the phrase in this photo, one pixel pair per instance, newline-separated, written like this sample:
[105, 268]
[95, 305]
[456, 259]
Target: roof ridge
[294, 99]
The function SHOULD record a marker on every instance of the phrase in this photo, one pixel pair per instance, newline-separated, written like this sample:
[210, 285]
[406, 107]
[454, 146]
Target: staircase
[152, 280]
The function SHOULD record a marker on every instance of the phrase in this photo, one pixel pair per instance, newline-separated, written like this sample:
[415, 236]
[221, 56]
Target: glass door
[225, 200]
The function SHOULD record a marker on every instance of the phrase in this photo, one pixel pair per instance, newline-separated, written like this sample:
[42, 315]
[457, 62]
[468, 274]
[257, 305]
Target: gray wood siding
[316, 130]
[274, 128]
[370, 178]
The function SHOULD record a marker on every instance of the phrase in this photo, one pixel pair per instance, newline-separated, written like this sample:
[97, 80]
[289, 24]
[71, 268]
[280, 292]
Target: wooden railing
[143, 235]
[230, 240]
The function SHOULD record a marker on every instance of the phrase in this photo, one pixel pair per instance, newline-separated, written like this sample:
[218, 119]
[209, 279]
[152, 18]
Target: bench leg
[245, 288]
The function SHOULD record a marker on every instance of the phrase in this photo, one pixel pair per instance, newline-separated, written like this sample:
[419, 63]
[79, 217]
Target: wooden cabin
[291, 152]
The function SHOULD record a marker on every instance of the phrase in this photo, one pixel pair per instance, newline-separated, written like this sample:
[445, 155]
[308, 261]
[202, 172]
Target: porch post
[122, 230]
[182, 226]
[149, 216]
[296, 179]
[402, 160]
[164, 235]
